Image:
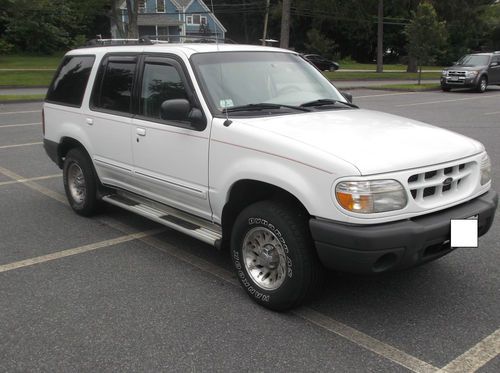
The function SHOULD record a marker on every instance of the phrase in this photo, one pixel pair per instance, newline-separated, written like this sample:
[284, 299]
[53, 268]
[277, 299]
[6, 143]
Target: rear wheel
[273, 255]
[80, 182]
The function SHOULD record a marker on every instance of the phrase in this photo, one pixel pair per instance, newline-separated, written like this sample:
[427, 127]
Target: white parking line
[76, 250]
[20, 112]
[353, 335]
[477, 356]
[30, 179]
[19, 145]
[481, 97]
[389, 94]
[495, 112]
[19, 125]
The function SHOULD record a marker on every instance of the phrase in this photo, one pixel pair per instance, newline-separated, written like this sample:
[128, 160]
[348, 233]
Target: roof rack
[158, 39]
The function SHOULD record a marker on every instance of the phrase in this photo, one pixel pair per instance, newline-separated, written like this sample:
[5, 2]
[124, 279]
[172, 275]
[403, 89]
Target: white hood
[372, 141]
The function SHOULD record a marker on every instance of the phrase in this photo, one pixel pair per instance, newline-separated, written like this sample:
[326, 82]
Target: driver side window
[160, 82]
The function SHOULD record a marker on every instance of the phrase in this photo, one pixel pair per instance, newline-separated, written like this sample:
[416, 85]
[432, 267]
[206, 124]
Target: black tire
[81, 190]
[482, 84]
[301, 271]
[445, 88]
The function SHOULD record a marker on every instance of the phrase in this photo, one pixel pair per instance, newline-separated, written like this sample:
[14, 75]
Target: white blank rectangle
[464, 233]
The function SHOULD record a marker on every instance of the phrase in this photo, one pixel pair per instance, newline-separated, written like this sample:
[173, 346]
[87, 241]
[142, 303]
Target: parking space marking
[482, 97]
[21, 112]
[389, 94]
[30, 179]
[20, 125]
[76, 250]
[39, 188]
[355, 336]
[18, 145]
[364, 340]
[477, 356]
[495, 112]
[326, 323]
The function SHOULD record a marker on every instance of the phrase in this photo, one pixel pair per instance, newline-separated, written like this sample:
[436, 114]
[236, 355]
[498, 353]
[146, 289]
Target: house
[174, 19]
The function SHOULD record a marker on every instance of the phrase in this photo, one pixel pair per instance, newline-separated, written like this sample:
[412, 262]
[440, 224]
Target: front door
[494, 73]
[170, 157]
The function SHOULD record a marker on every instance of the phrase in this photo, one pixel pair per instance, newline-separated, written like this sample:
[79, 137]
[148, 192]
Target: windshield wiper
[327, 101]
[262, 106]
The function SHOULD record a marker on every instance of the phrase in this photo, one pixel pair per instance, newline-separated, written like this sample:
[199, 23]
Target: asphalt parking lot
[119, 293]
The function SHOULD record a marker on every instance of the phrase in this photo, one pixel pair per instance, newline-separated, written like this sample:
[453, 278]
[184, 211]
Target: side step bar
[168, 216]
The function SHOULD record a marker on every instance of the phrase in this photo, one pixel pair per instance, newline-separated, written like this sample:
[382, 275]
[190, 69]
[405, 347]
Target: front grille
[456, 73]
[439, 182]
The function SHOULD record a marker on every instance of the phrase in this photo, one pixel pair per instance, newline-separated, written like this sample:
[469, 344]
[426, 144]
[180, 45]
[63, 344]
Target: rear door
[109, 121]
[170, 157]
[494, 71]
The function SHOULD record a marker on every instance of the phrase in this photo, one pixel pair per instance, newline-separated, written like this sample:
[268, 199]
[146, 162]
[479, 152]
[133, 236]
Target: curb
[20, 101]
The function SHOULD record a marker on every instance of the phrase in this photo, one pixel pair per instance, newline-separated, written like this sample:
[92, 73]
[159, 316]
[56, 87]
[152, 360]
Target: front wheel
[80, 182]
[482, 84]
[273, 255]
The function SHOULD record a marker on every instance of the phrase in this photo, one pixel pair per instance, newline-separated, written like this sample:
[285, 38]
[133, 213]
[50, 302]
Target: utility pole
[266, 18]
[285, 24]
[380, 37]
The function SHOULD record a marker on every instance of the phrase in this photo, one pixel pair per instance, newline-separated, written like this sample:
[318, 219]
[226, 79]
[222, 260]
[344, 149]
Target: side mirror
[180, 109]
[494, 64]
[347, 96]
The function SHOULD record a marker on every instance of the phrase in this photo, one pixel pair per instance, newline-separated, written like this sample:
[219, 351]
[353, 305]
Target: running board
[168, 216]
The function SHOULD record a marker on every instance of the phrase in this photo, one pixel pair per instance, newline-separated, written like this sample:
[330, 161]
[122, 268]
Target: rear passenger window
[114, 90]
[69, 85]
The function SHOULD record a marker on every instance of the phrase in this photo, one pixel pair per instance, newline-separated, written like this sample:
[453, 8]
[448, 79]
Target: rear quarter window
[68, 86]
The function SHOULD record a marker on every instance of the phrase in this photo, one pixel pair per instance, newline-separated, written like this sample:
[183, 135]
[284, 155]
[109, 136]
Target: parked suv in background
[253, 149]
[475, 71]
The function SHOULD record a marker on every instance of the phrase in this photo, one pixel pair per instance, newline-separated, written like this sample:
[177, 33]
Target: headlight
[444, 73]
[471, 74]
[485, 169]
[367, 197]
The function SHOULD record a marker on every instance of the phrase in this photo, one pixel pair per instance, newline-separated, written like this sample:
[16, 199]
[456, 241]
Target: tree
[132, 10]
[426, 35]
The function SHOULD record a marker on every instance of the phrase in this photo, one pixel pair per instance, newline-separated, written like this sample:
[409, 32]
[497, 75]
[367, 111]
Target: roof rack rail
[157, 39]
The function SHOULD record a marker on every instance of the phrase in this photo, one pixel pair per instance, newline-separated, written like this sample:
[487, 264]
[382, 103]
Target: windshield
[473, 60]
[235, 79]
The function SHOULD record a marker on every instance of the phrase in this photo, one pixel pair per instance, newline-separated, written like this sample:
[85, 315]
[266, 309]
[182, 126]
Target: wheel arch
[65, 145]
[245, 192]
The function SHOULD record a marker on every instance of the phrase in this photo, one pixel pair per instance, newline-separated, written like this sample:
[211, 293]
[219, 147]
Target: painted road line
[364, 340]
[39, 188]
[494, 113]
[76, 250]
[477, 356]
[357, 337]
[482, 97]
[19, 145]
[316, 318]
[30, 179]
[389, 94]
[20, 125]
[20, 112]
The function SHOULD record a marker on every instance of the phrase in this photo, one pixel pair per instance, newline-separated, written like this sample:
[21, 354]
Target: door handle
[141, 131]
[89, 121]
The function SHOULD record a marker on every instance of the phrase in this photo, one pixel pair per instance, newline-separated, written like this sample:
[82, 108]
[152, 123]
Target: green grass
[370, 66]
[408, 87]
[25, 78]
[6, 98]
[339, 75]
[30, 62]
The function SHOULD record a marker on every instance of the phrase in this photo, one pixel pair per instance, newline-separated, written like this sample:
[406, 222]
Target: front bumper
[396, 245]
[462, 82]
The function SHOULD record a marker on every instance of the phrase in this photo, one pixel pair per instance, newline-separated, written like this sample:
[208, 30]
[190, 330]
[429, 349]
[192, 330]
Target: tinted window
[115, 89]
[69, 85]
[159, 83]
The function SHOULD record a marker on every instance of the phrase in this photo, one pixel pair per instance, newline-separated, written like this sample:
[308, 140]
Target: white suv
[251, 148]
